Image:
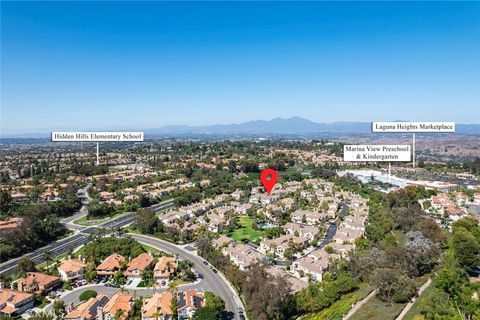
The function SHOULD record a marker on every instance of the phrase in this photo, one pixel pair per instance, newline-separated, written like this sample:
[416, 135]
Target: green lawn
[245, 230]
[83, 221]
[151, 249]
[342, 306]
[375, 309]
[428, 292]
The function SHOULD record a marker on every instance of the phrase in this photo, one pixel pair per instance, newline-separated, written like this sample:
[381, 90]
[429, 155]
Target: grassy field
[414, 311]
[246, 231]
[151, 249]
[375, 309]
[342, 306]
[83, 221]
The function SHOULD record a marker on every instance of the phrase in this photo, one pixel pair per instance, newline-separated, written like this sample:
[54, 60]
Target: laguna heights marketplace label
[386, 153]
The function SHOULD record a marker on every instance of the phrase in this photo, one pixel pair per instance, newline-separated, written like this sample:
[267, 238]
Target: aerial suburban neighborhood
[239, 160]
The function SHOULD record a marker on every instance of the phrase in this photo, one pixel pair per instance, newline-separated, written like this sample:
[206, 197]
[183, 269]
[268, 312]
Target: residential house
[71, 269]
[14, 302]
[314, 264]
[301, 229]
[242, 255]
[310, 217]
[188, 302]
[120, 303]
[345, 235]
[87, 310]
[110, 265]
[158, 307]
[221, 241]
[281, 244]
[137, 265]
[295, 283]
[36, 282]
[164, 269]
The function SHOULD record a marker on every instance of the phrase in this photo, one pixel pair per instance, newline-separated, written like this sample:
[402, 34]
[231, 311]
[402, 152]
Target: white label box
[398, 126]
[375, 152]
[96, 136]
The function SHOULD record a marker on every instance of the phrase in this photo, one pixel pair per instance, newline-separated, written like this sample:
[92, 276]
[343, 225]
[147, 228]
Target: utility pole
[413, 149]
[98, 155]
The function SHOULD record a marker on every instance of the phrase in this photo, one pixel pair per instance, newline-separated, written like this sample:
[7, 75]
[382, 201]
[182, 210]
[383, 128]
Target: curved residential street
[209, 280]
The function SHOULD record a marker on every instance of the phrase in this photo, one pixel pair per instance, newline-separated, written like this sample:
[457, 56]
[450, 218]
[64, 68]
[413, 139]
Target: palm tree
[172, 286]
[47, 256]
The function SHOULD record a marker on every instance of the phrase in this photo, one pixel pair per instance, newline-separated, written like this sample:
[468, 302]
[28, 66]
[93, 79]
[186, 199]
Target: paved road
[73, 297]
[332, 228]
[71, 242]
[213, 282]
[82, 194]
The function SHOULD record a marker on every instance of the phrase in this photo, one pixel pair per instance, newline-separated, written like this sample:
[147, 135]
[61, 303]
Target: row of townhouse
[278, 246]
[163, 269]
[241, 255]
[71, 269]
[314, 264]
[159, 306]
[311, 217]
[304, 230]
[198, 209]
[444, 204]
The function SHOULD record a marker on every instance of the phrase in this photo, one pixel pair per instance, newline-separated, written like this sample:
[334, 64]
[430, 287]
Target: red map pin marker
[268, 177]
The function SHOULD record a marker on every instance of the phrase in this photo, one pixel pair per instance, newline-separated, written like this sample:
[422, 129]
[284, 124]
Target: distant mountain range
[277, 126]
[290, 126]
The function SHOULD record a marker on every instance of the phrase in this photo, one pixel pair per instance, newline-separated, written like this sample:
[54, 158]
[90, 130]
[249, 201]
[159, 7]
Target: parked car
[30, 312]
[240, 310]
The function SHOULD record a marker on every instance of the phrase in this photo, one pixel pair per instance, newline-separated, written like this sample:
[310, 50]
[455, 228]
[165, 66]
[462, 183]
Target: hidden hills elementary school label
[96, 136]
[388, 153]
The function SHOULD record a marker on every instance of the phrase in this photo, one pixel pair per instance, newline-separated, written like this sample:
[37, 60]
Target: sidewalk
[412, 302]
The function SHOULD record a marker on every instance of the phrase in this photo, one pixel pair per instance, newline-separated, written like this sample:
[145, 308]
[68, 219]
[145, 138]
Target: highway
[210, 281]
[71, 242]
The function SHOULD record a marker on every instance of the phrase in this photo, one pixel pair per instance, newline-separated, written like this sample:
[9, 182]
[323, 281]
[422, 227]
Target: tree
[266, 296]
[58, 308]
[466, 248]
[214, 301]
[25, 265]
[47, 256]
[174, 306]
[146, 221]
[6, 201]
[206, 313]
[213, 309]
[392, 286]
[87, 295]
[436, 306]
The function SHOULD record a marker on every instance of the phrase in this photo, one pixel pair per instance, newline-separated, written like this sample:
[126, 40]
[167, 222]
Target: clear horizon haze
[104, 65]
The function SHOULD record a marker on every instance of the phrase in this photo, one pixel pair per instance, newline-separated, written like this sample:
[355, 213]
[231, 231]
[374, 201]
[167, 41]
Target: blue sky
[100, 65]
